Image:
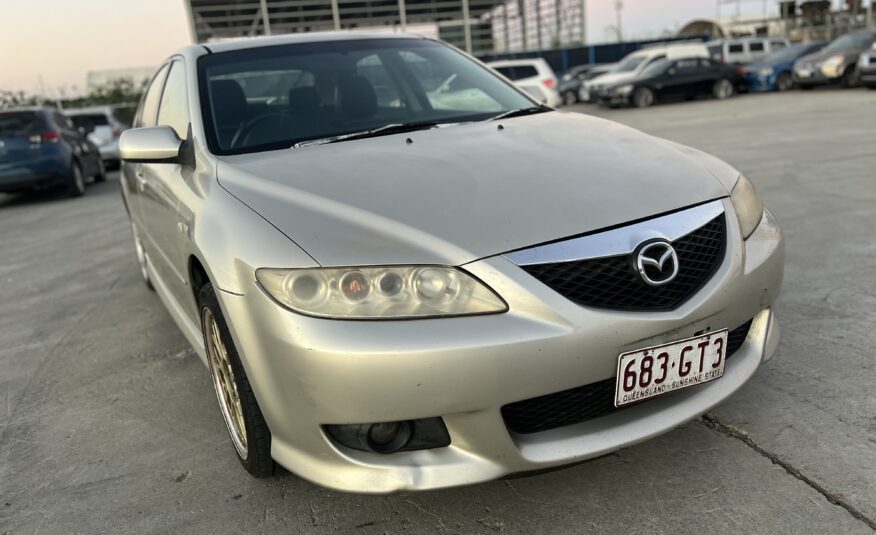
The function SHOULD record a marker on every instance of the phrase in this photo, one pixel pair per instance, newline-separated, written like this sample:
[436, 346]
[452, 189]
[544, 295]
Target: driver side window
[149, 107]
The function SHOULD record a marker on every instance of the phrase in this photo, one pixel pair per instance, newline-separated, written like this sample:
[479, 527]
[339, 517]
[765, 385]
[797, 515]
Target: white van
[534, 76]
[633, 64]
[745, 49]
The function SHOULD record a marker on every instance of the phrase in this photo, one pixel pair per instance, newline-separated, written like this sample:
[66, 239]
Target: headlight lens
[624, 89]
[749, 209]
[380, 292]
[832, 66]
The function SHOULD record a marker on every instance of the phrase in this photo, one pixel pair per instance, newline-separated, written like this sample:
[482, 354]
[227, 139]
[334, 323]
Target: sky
[59, 41]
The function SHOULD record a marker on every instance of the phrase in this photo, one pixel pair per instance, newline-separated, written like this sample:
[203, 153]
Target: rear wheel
[76, 187]
[100, 176]
[249, 432]
[643, 97]
[784, 82]
[570, 97]
[723, 89]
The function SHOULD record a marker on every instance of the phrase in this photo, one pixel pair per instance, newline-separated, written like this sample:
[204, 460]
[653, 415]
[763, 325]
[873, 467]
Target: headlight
[832, 66]
[380, 292]
[749, 209]
[766, 72]
[624, 90]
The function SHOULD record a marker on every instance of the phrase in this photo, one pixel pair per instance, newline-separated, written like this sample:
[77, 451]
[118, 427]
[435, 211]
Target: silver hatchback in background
[403, 273]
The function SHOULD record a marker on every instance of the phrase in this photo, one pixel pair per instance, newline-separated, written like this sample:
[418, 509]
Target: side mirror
[153, 144]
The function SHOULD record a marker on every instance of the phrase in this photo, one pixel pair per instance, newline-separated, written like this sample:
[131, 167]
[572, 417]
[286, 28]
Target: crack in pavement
[712, 421]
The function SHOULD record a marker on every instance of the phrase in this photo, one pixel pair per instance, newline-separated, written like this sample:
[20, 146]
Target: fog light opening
[389, 437]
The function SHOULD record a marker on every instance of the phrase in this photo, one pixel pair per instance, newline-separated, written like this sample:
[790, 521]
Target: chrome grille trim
[621, 240]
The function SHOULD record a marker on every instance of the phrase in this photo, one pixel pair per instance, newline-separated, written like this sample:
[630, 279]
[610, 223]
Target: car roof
[512, 62]
[106, 109]
[45, 109]
[295, 38]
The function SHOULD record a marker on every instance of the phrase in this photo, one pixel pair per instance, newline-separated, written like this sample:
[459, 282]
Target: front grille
[582, 403]
[613, 282]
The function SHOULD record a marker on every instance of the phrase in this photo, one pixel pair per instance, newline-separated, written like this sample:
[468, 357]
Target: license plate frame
[704, 365]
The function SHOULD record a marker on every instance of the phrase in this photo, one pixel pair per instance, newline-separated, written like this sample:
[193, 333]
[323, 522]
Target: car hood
[612, 78]
[461, 193]
[817, 57]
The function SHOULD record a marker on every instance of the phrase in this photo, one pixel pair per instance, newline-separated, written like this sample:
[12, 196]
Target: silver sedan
[403, 273]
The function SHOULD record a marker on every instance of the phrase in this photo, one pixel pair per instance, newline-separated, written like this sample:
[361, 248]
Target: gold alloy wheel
[223, 382]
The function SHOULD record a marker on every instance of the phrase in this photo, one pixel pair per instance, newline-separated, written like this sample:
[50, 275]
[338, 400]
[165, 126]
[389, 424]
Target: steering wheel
[246, 128]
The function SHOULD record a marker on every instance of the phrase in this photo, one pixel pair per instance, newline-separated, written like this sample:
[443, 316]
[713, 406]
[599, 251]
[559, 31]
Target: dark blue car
[773, 71]
[40, 149]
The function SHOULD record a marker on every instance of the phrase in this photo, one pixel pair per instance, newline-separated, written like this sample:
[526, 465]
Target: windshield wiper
[385, 130]
[541, 108]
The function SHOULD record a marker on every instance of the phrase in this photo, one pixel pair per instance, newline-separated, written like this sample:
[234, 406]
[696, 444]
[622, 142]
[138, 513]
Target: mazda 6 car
[403, 273]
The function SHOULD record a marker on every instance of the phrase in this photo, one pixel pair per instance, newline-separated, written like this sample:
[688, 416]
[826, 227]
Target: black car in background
[570, 82]
[834, 64]
[679, 79]
[41, 149]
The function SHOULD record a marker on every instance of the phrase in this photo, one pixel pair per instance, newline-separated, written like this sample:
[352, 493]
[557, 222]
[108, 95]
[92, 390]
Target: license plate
[645, 373]
[804, 73]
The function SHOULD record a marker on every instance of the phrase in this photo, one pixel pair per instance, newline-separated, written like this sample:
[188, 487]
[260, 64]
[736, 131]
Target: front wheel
[643, 97]
[249, 432]
[850, 78]
[569, 98]
[723, 89]
[784, 82]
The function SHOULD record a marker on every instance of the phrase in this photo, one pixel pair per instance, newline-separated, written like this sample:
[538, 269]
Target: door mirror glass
[153, 144]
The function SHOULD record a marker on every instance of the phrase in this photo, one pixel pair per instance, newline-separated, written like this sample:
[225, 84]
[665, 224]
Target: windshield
[20, 123]
[851, 41]
[274, 97]
[629, 63]
[787, 54]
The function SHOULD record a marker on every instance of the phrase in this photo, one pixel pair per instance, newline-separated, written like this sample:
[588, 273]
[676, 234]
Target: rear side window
[21, 123]
[149, 106]
[736, 48]
[89, 122]
[174, 109]
[518, 72]
[755, 46]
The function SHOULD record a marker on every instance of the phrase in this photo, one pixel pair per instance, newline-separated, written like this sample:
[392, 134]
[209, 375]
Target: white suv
[534, 76]
[745, 49]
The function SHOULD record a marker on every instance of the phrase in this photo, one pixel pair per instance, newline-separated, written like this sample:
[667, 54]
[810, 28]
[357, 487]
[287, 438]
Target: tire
[570, 98]
[142, 260]
[723, 89]
[247, 428]
[100, 176]
[850, 78]
[784, 82]
[643, 97]
[76, 188]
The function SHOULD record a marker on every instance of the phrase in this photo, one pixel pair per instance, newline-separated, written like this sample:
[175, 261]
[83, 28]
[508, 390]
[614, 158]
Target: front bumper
[811, 76]
[757, 82]
[868, 76]
[309, 372]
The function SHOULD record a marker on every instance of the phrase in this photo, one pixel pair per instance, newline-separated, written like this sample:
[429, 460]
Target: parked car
[595, 72]
[679, 79]
[406, 298]
[745, 49]
[570, 82]
[534, 76]
[867, 68]
[103, 125]
[834, 64]
[635, 64]
[40, 149]
[773, 72]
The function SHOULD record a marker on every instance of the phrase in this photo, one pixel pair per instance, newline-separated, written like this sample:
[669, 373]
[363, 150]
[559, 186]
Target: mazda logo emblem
[656, 262]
